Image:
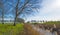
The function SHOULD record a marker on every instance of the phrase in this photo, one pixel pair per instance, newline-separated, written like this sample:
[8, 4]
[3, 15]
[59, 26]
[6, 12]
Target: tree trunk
[16, 13]
[2, 17]
[15, 21]
[2, 20]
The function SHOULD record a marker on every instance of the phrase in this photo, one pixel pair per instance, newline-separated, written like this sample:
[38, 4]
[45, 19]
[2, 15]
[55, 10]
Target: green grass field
[9, 29]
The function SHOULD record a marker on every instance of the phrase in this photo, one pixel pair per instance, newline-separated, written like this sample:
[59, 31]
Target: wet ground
[44, 32]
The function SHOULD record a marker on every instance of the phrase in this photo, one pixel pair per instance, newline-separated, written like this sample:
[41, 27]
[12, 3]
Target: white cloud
[50, 10]
[50, 5]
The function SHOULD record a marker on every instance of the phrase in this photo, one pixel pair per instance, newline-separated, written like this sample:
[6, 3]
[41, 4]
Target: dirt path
[32, 29]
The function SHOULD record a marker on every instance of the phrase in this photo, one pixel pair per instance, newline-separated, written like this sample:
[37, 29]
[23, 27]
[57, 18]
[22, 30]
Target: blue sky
[49, 10]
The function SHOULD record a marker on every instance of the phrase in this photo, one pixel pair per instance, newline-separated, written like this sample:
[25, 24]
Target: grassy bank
[51, 23]
[9, 29]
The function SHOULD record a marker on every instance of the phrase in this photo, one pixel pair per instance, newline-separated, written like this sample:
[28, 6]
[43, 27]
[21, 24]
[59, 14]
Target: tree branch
[22, 8]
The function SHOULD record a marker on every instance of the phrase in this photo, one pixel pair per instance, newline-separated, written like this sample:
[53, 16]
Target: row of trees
[28, 7]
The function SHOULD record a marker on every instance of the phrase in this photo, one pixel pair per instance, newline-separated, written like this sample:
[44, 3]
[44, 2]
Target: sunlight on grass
[9, 29]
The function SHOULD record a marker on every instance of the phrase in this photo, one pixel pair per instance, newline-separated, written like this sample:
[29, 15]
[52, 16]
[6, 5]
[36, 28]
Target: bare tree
[16, 12]
[27, 6]
[2, 8]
